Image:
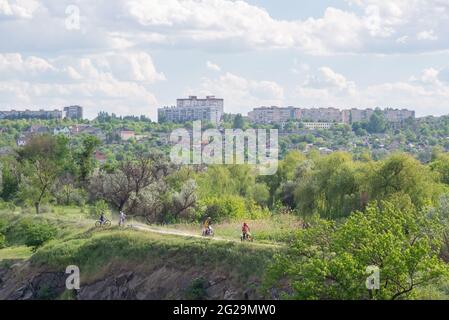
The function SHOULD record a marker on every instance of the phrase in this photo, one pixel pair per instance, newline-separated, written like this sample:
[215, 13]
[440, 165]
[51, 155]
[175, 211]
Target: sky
[131, 57]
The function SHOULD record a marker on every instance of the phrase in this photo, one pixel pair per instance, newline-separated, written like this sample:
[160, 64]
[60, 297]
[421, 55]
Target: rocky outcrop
[22, 282]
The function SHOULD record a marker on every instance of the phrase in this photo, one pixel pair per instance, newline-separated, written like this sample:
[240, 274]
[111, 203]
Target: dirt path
[175, 232]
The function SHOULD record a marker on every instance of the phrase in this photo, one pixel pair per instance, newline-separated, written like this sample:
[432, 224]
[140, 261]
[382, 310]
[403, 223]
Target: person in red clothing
[246, 232]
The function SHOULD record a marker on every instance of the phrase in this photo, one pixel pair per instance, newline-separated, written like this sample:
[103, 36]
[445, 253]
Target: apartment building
[321, 115]
[74, 112]
[396, 115]
[192, 108]
[270, 115]
[31, 114]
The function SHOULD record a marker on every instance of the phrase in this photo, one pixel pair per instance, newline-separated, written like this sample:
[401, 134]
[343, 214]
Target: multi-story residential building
[272, 115]
[31, 114]
[209, 109]
[74, 112]
[396, 115]
[391, 115]
[321, 115]
[268, 115]
[359, 115]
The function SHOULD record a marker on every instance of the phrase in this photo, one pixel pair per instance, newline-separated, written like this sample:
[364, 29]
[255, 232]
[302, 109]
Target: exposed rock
[155, 284]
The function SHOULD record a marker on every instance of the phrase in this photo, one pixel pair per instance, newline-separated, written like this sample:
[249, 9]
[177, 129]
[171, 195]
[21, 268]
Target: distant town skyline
[133, 57]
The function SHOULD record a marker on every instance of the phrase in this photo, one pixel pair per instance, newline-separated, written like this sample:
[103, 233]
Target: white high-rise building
[190, 109]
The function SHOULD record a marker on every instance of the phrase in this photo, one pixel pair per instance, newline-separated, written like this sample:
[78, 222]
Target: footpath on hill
[175, 232]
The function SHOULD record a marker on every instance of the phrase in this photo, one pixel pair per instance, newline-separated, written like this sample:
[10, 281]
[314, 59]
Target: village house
[126, 135]
[100, 157]
[64, 131]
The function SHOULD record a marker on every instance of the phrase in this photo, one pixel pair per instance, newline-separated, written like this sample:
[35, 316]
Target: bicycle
[246, 237]
[106, 224]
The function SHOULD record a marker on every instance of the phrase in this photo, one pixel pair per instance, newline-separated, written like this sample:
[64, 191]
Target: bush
[38, 234]
[230, 207]
[3, 224]
[35, 234]
[197, 290]
[2, 241]
[221, 208]
[97, 208]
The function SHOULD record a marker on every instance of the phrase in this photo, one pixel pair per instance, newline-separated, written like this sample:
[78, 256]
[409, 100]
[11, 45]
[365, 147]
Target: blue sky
[130, 57]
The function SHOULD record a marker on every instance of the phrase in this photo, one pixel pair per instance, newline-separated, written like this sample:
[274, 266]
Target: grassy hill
[126, 263]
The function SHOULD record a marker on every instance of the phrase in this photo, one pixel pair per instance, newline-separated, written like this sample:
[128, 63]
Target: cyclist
[122, 219]
[207, 226]
[246, 231]
[102, 218]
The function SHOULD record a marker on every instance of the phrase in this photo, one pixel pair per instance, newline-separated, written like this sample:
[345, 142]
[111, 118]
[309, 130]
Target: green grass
[99, 251]
[279, 228]
[118, 247]
[15, 253]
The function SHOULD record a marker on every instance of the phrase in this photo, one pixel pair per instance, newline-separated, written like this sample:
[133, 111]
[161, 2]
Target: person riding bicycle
[102, 218]
[122, 219]
[246, 231]
[207, 226]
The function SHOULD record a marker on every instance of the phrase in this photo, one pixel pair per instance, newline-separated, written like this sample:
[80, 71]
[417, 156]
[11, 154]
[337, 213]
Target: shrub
[2, 241]
[97, 208]
[3, 224]
[35, 234]
[231, 207]
[38, 234]
[221, 208]
[46, 293]
[196, 290]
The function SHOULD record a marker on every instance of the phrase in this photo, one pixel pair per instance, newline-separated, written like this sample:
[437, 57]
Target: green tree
[377, 123]
[239, 122]
[440, 165]
[85, 158]
[9, 180]
[401, 173]
[328, 261]
[42, 160]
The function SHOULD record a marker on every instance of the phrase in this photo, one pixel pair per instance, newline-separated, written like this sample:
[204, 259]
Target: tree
[9, 179]
[42, 160]
[377, 123]
[185, 200]
[123, 186]
[401, 173]
[330, 186]
[328, 261]
[84, 157]
[440, 165]
[239, 122]
[286, 172]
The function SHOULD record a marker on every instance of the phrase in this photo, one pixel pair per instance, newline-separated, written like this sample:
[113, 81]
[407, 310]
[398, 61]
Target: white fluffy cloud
[105, 64]
[18, 9]
[427, 93]
[115, 82]
[379, 26]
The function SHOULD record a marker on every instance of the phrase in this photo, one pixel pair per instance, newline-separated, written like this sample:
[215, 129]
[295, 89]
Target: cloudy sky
[130, 57]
